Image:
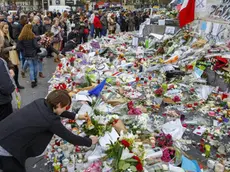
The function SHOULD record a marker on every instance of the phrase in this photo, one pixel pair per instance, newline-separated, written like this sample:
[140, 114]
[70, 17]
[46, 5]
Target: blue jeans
[25, 66]
[103, 32]
[33, 64]
[39, 65]
[22, 59]
[91, 30]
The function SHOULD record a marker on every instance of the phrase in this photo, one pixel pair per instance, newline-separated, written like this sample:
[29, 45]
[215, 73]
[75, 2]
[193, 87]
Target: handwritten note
[170, 30]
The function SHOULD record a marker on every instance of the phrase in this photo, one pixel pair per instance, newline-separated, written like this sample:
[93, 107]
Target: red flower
[139, 167]
[176, 99]
[125, 143]
[136, 158]
[189, 105]
[171, 87]
[195, 104]
[168, 137]
[159, 91]
[130, 105]
[192, 90]
[60, 65]
[72, 59]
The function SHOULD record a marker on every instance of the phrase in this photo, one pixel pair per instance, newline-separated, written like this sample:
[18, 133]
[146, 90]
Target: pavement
[28, 95]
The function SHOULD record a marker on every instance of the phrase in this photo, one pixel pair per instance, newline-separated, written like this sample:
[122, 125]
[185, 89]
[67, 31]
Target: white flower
[126, 155]
[127, 136]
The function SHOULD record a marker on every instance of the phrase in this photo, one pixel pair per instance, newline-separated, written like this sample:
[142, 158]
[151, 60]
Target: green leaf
[133, 168]
[125, 166]
[131, 160]
[121, 164]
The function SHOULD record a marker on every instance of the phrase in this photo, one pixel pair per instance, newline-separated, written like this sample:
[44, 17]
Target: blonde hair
[1, 40]
[2, 24]
[26, 33]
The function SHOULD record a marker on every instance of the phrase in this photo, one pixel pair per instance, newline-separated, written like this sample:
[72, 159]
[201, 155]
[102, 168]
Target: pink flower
[130, 105]
[176, 99]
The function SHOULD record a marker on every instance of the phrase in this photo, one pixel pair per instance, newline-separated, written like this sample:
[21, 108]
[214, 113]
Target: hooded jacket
[27, 132]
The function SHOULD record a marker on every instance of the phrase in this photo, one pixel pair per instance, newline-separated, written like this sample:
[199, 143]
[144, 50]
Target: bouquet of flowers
[164, 140]
[127, 154]
[93, 127]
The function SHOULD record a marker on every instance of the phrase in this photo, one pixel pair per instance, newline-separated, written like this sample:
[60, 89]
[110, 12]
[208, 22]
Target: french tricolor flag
[187, 12]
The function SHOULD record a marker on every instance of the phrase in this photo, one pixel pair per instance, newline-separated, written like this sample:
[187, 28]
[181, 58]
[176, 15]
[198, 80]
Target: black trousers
[83, 38]
[10, 164]
[16, 71]
[97, 32]
[5, 110]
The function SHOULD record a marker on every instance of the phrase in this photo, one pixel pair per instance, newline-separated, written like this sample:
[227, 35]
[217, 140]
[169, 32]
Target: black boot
[33, 84]
[20, 87]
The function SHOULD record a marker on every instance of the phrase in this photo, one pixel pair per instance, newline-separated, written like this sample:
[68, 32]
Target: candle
[207, 150]
[65, 162]
[70, 167]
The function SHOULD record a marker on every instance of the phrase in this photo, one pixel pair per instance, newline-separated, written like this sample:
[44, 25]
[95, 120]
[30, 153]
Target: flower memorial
[155, 106]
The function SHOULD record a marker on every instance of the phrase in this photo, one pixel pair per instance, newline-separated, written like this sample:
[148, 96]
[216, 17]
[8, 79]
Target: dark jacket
[70, 45]
[47, 27]
[38, 30]
[104, 22]
[17, 28]
[6, 85]
[27, 132]
[10, 29]
[29, 48]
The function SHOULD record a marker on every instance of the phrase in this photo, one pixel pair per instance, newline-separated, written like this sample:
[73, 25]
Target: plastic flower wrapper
[204, 91]
[174, 128]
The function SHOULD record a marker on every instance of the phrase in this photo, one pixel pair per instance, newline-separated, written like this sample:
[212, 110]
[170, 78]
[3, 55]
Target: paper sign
[170, 30]
[108, 138]
[199, 131]
[161, 22]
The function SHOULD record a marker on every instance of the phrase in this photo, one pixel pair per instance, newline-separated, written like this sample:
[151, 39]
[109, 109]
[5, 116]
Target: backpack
[15, 31]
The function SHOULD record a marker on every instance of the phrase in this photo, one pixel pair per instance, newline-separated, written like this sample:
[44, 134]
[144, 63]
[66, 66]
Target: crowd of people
[57, 33]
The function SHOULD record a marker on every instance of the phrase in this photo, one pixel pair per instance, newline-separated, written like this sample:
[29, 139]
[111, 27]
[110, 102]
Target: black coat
[47, 28]
[38, 30]
[6, 85]
[29, 48]
[27, 132]
[70, 45]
